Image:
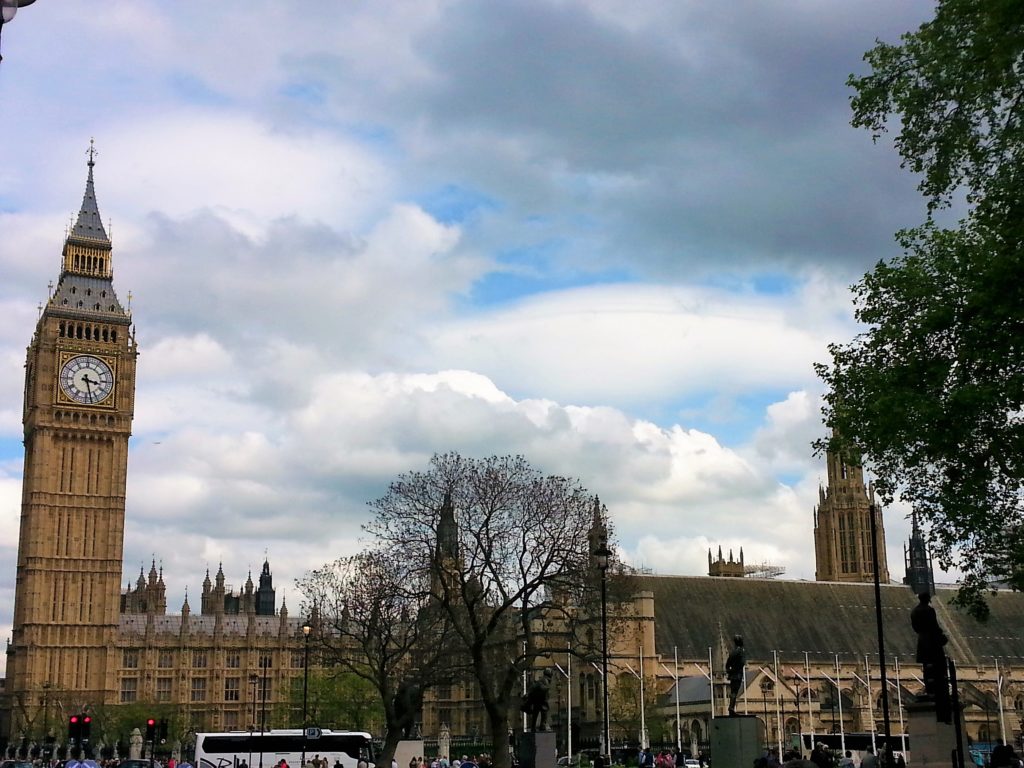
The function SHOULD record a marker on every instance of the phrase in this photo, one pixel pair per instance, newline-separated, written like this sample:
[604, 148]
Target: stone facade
[842, 527]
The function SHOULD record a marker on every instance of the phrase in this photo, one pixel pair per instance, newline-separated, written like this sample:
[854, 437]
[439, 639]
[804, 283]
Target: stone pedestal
[406, 750]
[736, 742]
[931, 743]
[538, 750]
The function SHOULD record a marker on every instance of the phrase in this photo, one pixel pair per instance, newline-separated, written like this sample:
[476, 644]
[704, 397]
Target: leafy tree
[338, 699]
[503, 548]
[932, 392]
[624, 703]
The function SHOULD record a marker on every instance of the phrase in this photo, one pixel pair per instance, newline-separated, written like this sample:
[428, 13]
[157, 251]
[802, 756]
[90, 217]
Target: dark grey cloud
[702, 135]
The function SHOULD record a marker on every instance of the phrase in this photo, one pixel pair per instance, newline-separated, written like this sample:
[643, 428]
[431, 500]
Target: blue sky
[612, 237]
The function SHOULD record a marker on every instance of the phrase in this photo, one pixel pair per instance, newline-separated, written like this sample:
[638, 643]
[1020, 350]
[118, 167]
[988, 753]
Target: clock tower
[79, 402]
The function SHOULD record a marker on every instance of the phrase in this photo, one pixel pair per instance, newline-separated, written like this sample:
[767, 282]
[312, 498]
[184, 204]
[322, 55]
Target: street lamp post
[881, 636]
[306, 629]
[601, 555]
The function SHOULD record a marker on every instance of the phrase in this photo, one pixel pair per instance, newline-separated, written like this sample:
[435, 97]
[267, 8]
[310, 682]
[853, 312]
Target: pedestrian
[847, 761]
[869, 760]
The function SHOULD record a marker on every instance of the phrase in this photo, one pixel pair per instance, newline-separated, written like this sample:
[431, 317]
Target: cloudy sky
[611, 236]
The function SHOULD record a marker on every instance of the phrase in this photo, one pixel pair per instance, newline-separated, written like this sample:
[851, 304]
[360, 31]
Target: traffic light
[151, 730]
[163, 731]
[85, 728]
[74, 729]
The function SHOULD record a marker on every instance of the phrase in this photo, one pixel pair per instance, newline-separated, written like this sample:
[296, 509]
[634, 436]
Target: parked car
[15, 764]
[133, 764]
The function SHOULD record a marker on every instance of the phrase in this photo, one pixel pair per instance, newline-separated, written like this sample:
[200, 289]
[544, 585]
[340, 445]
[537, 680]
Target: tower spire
[89, 225]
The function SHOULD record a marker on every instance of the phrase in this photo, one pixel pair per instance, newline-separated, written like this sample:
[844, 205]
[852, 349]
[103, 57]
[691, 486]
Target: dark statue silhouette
[408, 701]
[535, 703]
[931, 654]
[734, 671]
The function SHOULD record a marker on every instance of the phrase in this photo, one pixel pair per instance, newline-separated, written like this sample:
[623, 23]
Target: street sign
[313, 733]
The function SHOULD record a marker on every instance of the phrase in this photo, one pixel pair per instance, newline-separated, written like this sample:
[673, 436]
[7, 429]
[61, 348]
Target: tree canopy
[931, 394]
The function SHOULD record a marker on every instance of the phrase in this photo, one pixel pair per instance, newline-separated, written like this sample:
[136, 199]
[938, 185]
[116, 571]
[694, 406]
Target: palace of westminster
[82, 640]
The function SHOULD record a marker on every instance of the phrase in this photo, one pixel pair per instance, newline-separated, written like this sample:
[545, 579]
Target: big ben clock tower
[79, 402]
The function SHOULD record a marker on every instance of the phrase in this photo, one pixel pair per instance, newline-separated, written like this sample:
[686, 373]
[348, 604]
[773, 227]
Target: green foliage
[338, 699]
[956, 85]
[932, 392]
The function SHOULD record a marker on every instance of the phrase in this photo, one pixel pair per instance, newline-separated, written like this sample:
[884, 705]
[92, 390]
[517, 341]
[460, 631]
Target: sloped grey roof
[689, 690]
[89, 225]
[82, 294]
[204, 625]
[823, 618]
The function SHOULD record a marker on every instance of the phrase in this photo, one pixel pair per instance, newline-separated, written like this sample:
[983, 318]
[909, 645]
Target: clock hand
[88, 383]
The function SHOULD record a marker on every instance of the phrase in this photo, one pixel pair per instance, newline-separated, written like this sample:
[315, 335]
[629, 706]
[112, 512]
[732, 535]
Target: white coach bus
[268, 749]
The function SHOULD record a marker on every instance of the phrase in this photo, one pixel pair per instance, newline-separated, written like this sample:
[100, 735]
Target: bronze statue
[535, 703]
[407, 702]
[734, 671]
[931, 641]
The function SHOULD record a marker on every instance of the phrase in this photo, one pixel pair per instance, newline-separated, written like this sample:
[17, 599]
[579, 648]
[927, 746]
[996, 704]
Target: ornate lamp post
[601, 555]
[7, 10]
[306, 629]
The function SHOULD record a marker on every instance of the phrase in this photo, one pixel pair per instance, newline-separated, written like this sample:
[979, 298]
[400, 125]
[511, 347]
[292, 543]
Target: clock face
[86, 379]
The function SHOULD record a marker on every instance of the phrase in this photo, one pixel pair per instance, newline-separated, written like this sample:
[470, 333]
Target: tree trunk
[500, 754]
[387, 751]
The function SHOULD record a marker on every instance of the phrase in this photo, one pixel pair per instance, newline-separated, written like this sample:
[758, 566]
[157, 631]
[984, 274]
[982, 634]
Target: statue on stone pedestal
[444, 742]
[931, 654]
[734, 666]
[535, 703]
[135, 745]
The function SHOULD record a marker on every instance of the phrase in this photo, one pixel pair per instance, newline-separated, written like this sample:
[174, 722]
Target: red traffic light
[86, 719]
[151, 721]
[74, 718]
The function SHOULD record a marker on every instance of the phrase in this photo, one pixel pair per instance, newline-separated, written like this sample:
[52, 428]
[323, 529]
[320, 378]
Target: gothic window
[130, 659]
[163, 689]
[129, 689]
[233, 660]
[198, 689]
[165, 660]
[199, 660]
[231, 720]
[297, 660]
[232, 688]
[266, 660]
[265, 688]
